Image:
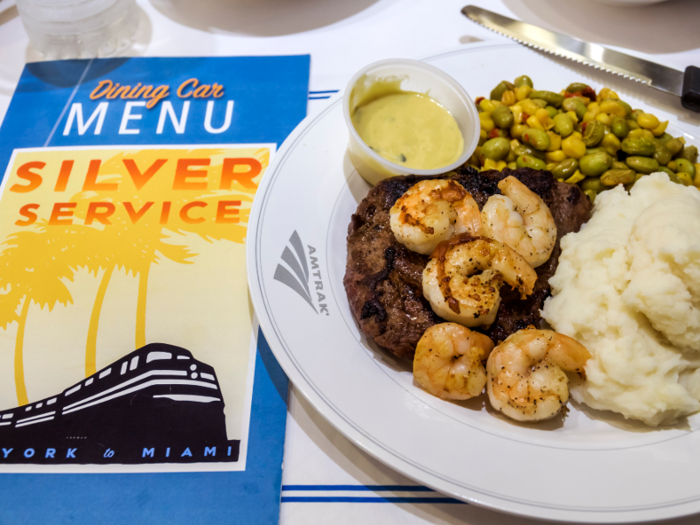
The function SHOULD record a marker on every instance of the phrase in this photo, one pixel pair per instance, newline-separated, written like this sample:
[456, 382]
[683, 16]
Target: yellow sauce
[409, 129]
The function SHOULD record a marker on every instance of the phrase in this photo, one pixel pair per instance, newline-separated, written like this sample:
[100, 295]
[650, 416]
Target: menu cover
[129, 358]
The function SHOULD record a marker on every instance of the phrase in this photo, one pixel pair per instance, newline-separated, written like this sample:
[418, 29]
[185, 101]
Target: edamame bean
[613, 177]
[592, 183]
[527, 161]
[638, 146]
[661, 153]
[676, 145]
[537, 139]
[593, 133]
[591, 151]
[620, 128]
[665, 138]
[563, 125]
[523, 80]
[553, 112]
[575, 87]
[503, 117]
[565, 169]
[690, 153]
[635, 114]
[497, 92]
[523, 149]
[619, 165]
[596, 164]
[667, 171]
[591, 195]
[576, 105]
[496, 149]
[685, 166]
[553, 99]
[642, 164]
[632, 124]
[540, 103]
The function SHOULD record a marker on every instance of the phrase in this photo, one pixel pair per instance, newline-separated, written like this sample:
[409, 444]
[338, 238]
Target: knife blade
[685, 85]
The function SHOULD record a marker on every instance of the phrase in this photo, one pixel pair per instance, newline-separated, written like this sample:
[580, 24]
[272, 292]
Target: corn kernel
[573, 116]
[501, 165]
[608, 94]
[508, 97]
[550, 166]
[594, 108]
[529, 106]
[533, 122]
[573, 147]
[696, 180]
[555, 156]
[575, 178]
[660, 129]
[487, 105]
[611, 144]
[589, 116]
[544, 118]
[483, 135]
[490, 164]
[647, 121]
[487, 123]
[604, 118]
[672, 165]
[517, 130]
[577, 135]
[554, 141]
[517, 113]
[522, 92]
[612, 107]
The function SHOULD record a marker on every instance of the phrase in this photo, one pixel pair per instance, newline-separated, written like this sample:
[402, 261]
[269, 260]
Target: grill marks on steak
[384, 279]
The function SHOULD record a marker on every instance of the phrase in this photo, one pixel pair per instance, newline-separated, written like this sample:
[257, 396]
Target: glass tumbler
[79, 28]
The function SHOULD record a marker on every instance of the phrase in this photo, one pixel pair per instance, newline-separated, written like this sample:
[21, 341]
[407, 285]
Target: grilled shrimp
[526, 379]
[432, 211]
[464, 275]
[449, 361]
[522, 220]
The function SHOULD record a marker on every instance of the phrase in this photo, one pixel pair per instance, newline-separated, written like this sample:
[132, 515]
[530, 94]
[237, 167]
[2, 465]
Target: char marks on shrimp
[383, 279]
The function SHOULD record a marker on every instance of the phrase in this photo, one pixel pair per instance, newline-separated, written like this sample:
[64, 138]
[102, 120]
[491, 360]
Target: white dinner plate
[585, 466]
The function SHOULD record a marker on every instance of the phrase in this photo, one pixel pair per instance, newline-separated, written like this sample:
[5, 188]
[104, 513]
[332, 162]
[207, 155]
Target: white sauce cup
[421, 78]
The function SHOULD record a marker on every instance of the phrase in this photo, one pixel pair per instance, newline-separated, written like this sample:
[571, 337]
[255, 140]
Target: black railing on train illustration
[156, 405]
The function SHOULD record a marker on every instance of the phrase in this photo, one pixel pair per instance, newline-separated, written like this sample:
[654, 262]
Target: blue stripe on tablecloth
[361, 499]
[373, 488]
[318, 98]
[301, 499]
[323, 92]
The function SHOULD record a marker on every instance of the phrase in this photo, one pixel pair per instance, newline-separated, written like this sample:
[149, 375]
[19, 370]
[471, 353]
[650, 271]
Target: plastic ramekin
[410, 75]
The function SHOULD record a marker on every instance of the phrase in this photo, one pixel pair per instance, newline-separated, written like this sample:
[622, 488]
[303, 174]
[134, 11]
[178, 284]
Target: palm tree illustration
[137, 237]
[33, 268]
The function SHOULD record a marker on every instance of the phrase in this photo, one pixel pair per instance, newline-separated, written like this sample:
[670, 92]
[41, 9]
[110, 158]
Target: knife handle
[691, 89]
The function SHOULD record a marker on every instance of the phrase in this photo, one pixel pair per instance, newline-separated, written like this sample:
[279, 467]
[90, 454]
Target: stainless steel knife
[685, 85]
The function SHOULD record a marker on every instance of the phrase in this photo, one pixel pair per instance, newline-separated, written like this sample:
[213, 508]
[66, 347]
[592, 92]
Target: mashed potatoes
[628, 288]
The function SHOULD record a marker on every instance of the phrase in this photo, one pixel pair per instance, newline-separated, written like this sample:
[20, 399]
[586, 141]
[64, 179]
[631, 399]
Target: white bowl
[409, 75]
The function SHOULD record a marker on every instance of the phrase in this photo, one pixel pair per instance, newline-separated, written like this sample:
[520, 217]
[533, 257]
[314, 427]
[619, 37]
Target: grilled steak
[384, 280]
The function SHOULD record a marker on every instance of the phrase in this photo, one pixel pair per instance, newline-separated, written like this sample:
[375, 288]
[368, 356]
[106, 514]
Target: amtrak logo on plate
[303, 275]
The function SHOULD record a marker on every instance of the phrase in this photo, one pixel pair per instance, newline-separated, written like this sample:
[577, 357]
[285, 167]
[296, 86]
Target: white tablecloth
[342, 36]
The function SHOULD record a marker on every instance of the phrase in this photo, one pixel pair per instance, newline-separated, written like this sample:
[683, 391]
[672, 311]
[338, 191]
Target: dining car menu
[127, 339]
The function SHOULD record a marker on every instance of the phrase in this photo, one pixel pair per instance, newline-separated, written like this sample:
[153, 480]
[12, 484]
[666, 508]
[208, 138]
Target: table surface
[342, 36]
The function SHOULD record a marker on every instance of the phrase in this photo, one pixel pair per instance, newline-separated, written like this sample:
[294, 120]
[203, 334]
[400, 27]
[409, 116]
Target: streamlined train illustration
[156, 404]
